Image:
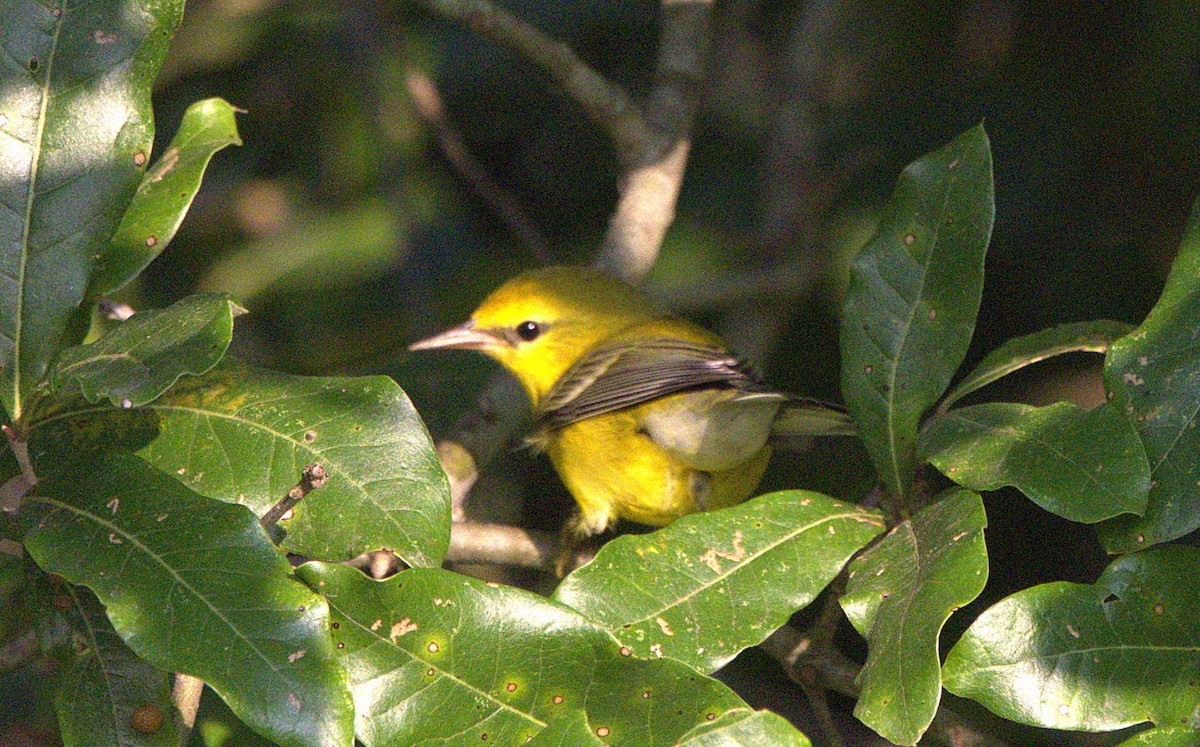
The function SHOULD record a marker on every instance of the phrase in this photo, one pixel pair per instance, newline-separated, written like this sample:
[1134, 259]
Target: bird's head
[542, 321]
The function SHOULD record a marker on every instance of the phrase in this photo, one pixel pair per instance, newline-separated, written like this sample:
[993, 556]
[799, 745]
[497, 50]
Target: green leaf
[1082, 465]
[568, 730]
[752, 730]
[106, 683]
[912, 300]
[1169, 736]
[323, 250]
[899, 594]
[195, 585]
[714, 583]
[1153, 374]
[735, 729]
[165, 195]
[244, 435]
[140, 359]
[1019, 352]
[76, 125]
[439, 658]
[1093, 657]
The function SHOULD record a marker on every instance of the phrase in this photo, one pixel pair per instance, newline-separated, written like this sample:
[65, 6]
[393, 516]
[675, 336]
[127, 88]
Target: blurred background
[345, 229]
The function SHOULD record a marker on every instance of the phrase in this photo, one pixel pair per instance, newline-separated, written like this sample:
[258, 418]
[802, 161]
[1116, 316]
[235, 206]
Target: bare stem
[13, 491]
[606, 104]
[428, 102]
[500, 410]
[498, 544]
[311, 478]
[186, 697]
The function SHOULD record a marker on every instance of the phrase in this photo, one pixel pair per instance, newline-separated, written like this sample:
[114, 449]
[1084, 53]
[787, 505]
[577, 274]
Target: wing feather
[627, 373]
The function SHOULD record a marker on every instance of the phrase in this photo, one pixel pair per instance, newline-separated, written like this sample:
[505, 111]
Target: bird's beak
[463, 337]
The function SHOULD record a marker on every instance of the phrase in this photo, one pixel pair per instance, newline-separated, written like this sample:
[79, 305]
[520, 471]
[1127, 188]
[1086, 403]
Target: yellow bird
[645, 417]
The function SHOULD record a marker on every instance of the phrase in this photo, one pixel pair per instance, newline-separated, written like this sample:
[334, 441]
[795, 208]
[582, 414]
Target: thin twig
[15, 489]
[606, 103]
[313, 477]
[428, 102]
[795, 652]
[500, 411]
[114, 310]
[811, 660]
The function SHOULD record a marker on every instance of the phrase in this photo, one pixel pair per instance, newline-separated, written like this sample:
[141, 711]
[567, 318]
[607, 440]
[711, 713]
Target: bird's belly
[614, 470]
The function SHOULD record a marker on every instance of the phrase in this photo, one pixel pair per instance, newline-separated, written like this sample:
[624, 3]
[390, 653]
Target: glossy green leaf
[898, 595]
[1168, 736]
[105, 683]
[754, 730]
[140, 359]
[194, 585]
[75, 130]
[1084, 465]
[320, 251]
[1155, 374]
[1019, 352]
[165, 194]
[244, 435]
[438, 658]
[1094, 657]
[568, 730]
[740, 728]
[912, 300]
[714, 583]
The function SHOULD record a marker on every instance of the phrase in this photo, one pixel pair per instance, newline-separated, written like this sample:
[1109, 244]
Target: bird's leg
[578, 543]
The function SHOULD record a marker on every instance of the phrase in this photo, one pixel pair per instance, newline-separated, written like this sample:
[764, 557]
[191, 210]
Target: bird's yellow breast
[615, 471]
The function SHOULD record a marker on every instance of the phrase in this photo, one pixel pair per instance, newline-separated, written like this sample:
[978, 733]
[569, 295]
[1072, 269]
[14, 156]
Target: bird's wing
[627, 373]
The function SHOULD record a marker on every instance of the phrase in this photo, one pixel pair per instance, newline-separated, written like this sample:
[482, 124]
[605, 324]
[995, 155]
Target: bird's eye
[528, 331]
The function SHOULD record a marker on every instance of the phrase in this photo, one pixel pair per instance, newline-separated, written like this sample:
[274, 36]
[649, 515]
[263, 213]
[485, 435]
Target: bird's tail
[801, 417]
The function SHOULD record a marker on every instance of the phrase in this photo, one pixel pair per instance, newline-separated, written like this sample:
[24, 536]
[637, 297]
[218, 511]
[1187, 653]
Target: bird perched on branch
[645, 417]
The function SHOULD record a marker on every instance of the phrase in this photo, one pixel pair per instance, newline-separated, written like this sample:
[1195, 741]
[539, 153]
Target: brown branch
[805, 662]
[14, 490]
[428, 103]
[606, 104]
[185, 695]
[500, 410]
[498, 544]
[377, 564]
[114, 310]
[811, 660]
[643, 214]
[652, 145]
[653, 170]
[311, 478]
